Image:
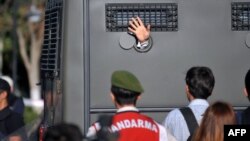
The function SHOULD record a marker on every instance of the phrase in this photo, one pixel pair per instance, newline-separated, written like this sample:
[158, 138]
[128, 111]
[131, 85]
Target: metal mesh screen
[50, 56]
[240, 16]
[161, 16]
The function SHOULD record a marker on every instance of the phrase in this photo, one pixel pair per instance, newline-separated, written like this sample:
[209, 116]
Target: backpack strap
[238, 115]
[190, 119]
[245, 119]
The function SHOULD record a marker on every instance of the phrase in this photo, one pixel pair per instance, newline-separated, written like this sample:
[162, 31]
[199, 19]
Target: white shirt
[176, 123]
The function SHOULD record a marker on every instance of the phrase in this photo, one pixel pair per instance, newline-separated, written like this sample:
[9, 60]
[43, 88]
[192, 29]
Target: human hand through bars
[137, 27]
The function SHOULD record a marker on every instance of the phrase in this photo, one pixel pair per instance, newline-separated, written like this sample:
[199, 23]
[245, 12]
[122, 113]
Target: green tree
[29, 33]
[5, 26]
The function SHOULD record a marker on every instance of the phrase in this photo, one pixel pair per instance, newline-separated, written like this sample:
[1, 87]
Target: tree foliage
[30, 34]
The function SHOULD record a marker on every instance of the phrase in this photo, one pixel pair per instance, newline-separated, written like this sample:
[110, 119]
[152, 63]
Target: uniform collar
[127, 108]
[199, 102]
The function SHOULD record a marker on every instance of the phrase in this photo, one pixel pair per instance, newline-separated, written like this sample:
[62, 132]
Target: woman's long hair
[212, 126]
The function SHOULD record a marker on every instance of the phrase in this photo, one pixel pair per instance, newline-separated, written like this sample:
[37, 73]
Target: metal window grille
[50, 56]
[161, 16]
[240, 16]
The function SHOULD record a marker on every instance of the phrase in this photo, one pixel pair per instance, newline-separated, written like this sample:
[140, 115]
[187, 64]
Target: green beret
[126, 80]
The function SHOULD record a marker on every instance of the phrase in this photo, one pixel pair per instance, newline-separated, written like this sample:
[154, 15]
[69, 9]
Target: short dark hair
[200, 81]
[124, 96]
[4, 86]
[247, 83]
[63, 132]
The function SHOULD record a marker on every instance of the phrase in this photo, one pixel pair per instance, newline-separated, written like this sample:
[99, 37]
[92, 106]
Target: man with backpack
[199, 85]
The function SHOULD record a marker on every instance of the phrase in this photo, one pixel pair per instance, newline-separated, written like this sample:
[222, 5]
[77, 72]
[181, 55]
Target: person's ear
[138, 97]
[189, 95]
[112, 97]
[245, 92]
[187, 89]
